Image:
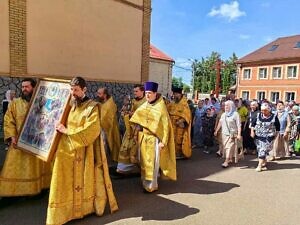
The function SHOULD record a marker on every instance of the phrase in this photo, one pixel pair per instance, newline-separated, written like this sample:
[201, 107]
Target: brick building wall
[274, 80]
[160, 71]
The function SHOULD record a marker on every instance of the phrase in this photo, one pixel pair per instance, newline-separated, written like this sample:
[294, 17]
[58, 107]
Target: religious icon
[49, 105]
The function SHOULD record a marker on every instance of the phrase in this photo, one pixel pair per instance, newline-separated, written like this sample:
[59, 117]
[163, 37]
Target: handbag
[297, 145]
[232, 134]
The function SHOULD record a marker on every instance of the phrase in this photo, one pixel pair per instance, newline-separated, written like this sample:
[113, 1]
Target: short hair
[280, 102]
[105, 91]
[31, 80]
[140, 86]
[78, 81]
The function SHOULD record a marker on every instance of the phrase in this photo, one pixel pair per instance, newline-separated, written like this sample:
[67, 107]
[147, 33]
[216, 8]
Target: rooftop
[158, 54]
[281, 48]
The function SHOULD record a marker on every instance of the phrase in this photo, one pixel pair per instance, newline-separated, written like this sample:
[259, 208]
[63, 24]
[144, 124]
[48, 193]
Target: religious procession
[158, 131]
[98, 125]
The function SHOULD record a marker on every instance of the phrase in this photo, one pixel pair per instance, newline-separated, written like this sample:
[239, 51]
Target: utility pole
[194, 61]
[218, 76]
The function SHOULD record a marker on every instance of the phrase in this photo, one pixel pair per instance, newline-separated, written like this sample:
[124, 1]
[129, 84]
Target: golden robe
[109, 123]
[180, 112]
[128, 150]
[80, 182]
[155, 122]
[22, 173]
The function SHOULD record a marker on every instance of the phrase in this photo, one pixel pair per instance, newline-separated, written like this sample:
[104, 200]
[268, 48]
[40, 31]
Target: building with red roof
[160, 69]
[271, 72]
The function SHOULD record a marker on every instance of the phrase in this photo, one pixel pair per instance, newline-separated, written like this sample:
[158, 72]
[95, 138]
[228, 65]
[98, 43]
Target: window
[297, 45]
[261, 95]
[262, 74]
[245, 95]
[273, 48]
[289, 96]
[292, 72]
[247, 74]
[274, 96]
[276, 73]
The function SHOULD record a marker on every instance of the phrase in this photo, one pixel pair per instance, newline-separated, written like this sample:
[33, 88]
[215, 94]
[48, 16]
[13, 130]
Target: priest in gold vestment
[180, 114]
[127, 161]
[22, 173]
[155, 138]
[80, 183]
[109, 123]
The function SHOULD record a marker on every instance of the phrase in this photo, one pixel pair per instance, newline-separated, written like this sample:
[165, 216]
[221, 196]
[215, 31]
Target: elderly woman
[231, 132]
[264, 129]
[197, 125]
[281, 143]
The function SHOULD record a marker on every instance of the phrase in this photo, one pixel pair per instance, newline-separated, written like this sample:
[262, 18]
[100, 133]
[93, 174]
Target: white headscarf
[232, 108]
[265, 106]
[8, 95]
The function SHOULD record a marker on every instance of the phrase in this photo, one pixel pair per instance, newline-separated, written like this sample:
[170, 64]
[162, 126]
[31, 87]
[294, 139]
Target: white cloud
[229, 11]
[244, 36]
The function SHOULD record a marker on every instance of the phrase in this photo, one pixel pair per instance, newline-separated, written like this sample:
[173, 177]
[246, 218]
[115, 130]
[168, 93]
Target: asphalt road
[205, 194]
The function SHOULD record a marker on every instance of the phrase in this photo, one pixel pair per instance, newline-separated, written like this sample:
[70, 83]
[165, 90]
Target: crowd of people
[156, 132]
[241, 127]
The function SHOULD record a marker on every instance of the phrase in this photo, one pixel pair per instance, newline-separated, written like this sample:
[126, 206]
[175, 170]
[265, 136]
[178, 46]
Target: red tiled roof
[158, 54]
[285, 50]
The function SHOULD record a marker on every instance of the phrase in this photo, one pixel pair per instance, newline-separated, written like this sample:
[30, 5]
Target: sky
[191, 29]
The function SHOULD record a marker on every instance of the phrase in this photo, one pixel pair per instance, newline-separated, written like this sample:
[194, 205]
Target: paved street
[205, 193]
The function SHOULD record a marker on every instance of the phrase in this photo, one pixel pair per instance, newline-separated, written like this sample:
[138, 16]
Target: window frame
[287, 70]
[277, 78]
[271, 92]
[289, 92]
[266, 74]
[248, 94]
[261, 91]
[250, 72]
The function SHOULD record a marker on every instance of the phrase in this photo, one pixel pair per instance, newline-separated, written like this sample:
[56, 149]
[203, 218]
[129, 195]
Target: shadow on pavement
[133, 203]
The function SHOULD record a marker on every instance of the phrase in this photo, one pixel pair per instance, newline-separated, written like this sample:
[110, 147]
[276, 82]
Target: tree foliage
[205, 73]
[177, 82]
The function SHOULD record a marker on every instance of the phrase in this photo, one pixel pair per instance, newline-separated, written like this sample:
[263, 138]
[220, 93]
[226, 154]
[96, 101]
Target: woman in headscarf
[230, 122]
[197, 125]
[264, 129]
[281, 142]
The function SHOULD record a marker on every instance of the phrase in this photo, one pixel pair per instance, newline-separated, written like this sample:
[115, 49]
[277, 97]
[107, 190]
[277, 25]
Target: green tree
[205, 73]
[177, 82]
[228, 73]
[186, 88]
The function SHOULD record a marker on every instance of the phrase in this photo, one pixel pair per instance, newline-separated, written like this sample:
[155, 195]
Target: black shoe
[116, 175]
[218, 154]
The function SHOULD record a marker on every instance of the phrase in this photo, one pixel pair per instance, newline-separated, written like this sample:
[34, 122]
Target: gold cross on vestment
[78, 188]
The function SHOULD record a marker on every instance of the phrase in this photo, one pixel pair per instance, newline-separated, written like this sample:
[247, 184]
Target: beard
[101, 100]
[76, 101]
[177, 99]
[26, 96]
